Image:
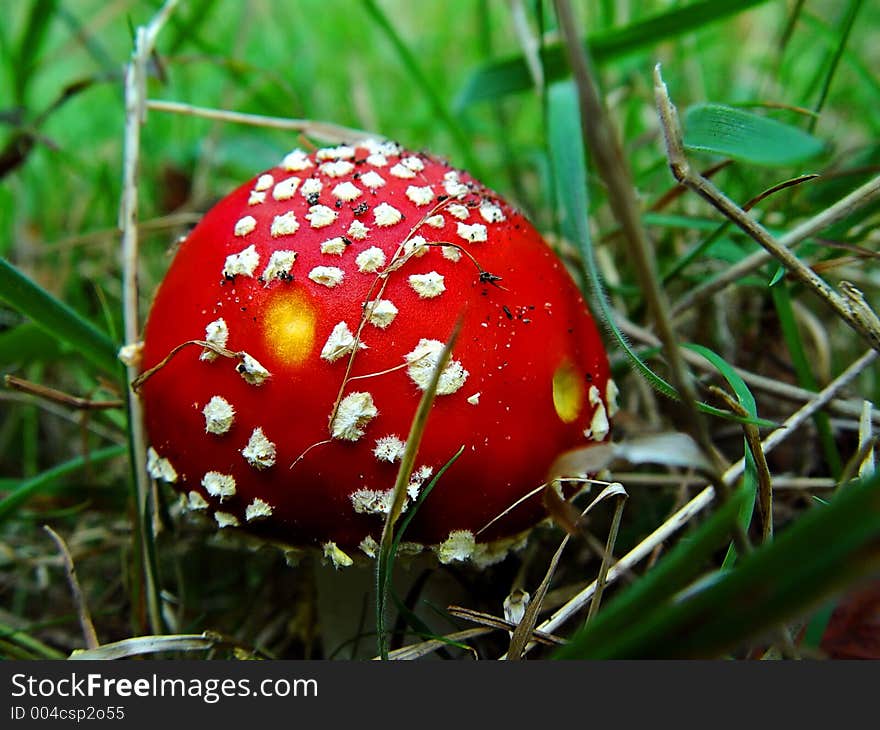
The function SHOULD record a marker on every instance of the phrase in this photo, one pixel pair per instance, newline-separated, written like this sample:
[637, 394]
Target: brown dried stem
[858, 198]
[138, 382]
[857, 315]
[135, 116]
[765, 482]
[771, 386]
[601, 139]
[52, 395]
[85, 617]
[325, 131]
[496, 622]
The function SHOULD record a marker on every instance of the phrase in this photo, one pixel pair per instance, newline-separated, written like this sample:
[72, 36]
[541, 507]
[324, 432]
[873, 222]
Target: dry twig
[135, 116]
[333, 133]
[496, 622]
[844, 207]
[602, 141]
[85, 617]
[855, 312]
[53, 395]
[771, 386]
[765, 481]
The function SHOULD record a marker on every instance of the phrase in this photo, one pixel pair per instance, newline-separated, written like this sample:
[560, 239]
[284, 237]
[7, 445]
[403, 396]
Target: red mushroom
[326, 288]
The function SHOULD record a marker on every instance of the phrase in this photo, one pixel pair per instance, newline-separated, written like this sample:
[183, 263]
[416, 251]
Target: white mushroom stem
[343, 593]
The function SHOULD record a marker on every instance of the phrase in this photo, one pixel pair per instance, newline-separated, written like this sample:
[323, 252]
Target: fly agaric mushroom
[319, 296]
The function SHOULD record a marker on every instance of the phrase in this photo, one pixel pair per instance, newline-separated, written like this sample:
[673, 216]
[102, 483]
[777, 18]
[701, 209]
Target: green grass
[783, 95]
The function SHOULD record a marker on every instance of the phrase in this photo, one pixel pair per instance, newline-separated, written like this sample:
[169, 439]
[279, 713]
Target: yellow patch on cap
[568, 392]
[289, 326]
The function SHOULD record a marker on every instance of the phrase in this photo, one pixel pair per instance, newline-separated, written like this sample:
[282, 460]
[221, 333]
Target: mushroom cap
[284, 439]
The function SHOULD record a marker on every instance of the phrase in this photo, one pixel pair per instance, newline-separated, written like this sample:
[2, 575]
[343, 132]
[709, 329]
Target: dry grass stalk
[858, 198]
[850, 308]
[765, 481]
[495, 622]
[525, 629]
[762, 383]
[79, 599]
[331, 133]
[704, 498]
[58, 396]
[135, 116]
[601, 140]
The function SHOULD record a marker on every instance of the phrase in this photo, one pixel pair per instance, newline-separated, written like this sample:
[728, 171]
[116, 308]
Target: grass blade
[49, 478]
[27, 343]
[387, 545]
[511, 75]
[423, 495]
[141, 645]
[567, 162]
[806, 379]
[699, 249]
[778, 581]
[623, 617]
[35, 648]
[522, 635]
[56, 318]
[845, 29]
[746, 136]
[750, 473]
[30, 45]
[385, 580]
[865, 73]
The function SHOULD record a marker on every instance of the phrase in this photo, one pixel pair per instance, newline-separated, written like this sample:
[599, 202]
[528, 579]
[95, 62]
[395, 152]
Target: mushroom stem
[344, 600]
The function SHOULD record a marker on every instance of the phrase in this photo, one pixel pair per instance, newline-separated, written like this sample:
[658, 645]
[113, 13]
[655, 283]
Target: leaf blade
[30, 487]
[746, 136]
[57, 318]
[511, 75]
